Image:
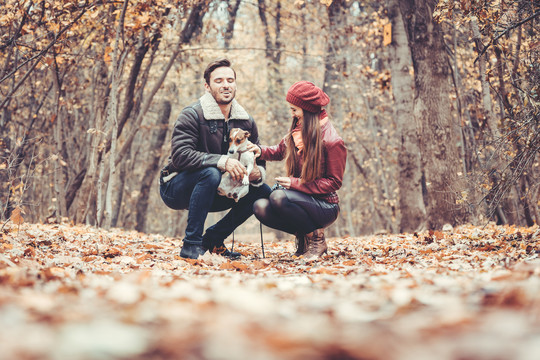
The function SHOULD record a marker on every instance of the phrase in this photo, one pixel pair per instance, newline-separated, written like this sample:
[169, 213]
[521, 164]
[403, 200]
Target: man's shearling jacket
[202, 142]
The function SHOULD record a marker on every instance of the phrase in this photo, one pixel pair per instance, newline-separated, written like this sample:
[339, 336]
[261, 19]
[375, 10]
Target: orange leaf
[387, 34]
[438, 234]
[239, 265]
[227, 266]
[152, 246]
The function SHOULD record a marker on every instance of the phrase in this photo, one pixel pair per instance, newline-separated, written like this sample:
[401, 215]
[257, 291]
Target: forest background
[438, 103]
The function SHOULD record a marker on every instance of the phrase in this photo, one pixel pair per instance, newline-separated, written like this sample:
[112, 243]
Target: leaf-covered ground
[73, 292]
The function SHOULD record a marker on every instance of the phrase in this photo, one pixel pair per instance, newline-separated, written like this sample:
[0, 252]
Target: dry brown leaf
[143, 258]
[258, 265]
[366, 291]
[153, 247]
[53, 273]
[192, 261]
[111, 252]
[227, 266]
[29, 252]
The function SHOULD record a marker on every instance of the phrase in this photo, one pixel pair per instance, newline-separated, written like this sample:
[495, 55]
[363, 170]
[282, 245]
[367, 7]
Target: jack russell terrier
[238, 142]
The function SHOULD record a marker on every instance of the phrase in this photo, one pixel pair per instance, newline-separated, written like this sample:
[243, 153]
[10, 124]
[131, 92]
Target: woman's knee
[278, 199]
[260, 207]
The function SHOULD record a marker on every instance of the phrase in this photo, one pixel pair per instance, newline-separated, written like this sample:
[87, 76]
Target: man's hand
[255, 174]
[235, 169]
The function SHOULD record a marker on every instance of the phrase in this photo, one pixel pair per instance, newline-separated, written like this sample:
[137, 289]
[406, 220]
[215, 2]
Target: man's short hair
[214, 65]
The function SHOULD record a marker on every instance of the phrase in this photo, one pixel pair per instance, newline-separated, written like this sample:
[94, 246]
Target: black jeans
[295, 212]
[197, 192]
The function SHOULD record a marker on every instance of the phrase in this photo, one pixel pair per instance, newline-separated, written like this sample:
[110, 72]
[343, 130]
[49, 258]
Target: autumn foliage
[88, 94]
[82, 292]
[89, 91]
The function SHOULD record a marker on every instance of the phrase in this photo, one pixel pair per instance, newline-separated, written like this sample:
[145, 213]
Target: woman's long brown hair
[311, 137]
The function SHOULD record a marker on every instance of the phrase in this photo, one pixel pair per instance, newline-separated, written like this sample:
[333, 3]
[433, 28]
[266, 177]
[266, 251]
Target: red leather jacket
[334, 160]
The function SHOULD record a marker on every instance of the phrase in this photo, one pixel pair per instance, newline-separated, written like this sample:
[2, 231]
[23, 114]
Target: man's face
[222, 85]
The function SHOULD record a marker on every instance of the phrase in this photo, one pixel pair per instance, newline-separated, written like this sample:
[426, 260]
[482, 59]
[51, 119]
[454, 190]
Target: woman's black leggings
[295, 212]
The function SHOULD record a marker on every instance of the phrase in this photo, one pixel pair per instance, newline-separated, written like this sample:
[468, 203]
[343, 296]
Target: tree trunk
[494, 159]
[229, 31]
[119, 195]
[90, 182]
[486, 95]
[112, 117]
[274, 88]
[382, 188]
[5, 183]
[335, 65]
[150, 178]
[59, 179]
[439, 133]
[411, 204]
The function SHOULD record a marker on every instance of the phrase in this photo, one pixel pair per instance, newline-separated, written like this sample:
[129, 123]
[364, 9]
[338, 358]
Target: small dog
[238, 142]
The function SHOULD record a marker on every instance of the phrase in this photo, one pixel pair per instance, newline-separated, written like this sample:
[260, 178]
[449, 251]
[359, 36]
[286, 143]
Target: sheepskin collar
[212, 111]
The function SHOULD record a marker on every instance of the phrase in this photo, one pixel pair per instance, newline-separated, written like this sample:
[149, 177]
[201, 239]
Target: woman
[305, 201]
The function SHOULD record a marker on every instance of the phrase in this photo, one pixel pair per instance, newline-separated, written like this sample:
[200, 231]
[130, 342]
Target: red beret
[307, 96]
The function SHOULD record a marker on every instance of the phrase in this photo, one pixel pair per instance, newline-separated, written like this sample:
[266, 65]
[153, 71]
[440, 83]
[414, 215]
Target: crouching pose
[305, 201]
[200, 142]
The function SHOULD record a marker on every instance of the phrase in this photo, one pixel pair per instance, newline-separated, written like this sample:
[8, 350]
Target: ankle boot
[191, 250]
[301, 245]
[316, 245]
[218, 247]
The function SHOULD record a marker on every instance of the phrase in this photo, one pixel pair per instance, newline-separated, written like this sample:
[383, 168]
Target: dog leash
[260, 224]
[262, 242]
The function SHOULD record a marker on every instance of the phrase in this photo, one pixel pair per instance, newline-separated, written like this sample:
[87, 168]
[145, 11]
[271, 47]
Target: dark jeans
[295, 212]
[197, 192]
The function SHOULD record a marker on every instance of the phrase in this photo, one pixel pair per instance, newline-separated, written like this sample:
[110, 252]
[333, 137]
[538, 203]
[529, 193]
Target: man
[199, 144]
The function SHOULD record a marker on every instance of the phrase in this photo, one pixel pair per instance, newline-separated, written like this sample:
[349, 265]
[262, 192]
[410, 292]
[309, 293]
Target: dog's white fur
[238, 142]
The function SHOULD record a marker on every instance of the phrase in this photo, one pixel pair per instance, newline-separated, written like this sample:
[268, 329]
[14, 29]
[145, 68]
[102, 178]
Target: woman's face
[297, 113]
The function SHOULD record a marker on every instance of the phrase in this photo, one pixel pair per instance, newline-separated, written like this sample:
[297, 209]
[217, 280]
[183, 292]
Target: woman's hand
[255, 149]
[284, 181]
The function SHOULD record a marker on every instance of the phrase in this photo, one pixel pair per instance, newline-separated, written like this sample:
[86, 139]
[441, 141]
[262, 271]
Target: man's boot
[218, 247]
[316, 245]
[192, 250]
[301, 245]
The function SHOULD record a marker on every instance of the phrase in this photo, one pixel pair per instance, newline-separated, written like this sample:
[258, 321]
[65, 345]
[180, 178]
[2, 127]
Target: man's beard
[216, 95]
[224, 102]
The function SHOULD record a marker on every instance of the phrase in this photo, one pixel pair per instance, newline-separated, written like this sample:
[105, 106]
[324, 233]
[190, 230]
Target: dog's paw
[245, 180]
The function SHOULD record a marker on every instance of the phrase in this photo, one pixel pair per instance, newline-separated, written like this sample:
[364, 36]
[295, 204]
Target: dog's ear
[247, 134]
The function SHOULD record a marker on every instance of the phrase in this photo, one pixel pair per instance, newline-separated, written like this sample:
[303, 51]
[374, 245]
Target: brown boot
[301, 245]
[316, 245]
